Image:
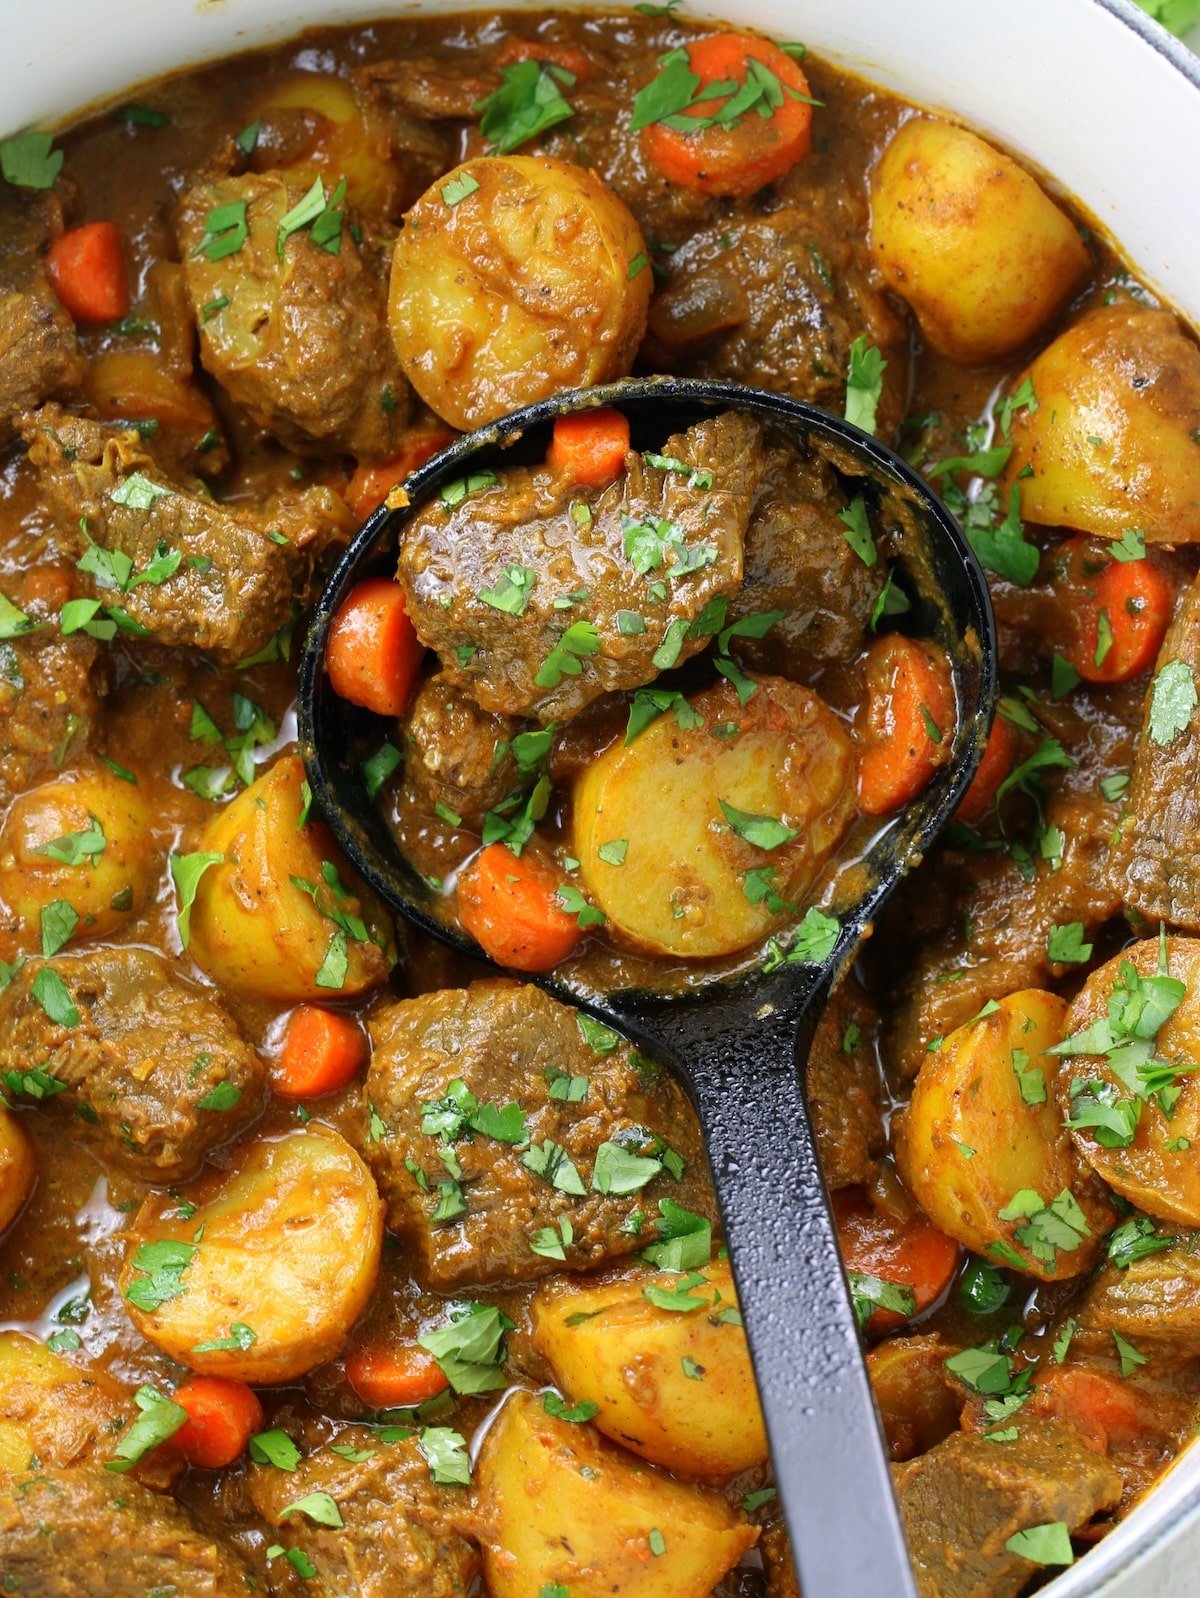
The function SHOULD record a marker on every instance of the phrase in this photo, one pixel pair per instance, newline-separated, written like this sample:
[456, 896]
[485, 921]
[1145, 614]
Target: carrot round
[87, 272]
[322, 1051]
[373, 654]
[998, 755]
[910, 1253]
[751, 150]
[589, 447]
[1104, 1408]
[394, 1378]
[906, 724]
[223, 1415]
[1120, 611]
[508, 905]
[371, 484]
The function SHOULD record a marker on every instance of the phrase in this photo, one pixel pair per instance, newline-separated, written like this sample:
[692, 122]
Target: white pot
[1088, 90]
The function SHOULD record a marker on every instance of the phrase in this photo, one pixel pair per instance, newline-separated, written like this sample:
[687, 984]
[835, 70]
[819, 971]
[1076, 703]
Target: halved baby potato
[18, 1167]
[83, 842]
[267, 1273]
[1159, 1170]
[1112, 442]
[683, 882]
[342, 139]
[271, 917]
[965, 235]
[984, 1127]
[568, 1510]
[515, 277]
[61, 1414]
[677, 1389]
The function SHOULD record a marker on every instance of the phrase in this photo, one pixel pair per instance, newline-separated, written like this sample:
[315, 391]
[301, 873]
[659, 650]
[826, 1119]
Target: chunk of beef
[798, 561]
[1008, 920]
[1154, 1303]
[1158, 856]
[39, 353]
[49, 699]
[234, 574]
[508, 1044]
[455, 754]
[85, 1533]
[401, 1535]
[964, 1499]
[842, 1090]
[154, 1069]
[586, 566]
[777, 299]
[303, 342]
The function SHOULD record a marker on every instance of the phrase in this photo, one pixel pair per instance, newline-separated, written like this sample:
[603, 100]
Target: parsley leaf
[554, 1404]
[1049, 1544]
[858, 530]
[869, 1293]
[511, 591]
[685, 1239]
[1173, 698]
[764, 832]
[186, 872]
[812, 942]
[471, 1350]
[1065, 945]
[274, 1448]
[50, 991]
[160, 1419]
[162, 1265]
[28, 160]
[581, 639]
[528, 102]
[864, 385]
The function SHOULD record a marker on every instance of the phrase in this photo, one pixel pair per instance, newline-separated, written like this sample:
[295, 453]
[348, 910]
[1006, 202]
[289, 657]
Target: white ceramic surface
[1086, 89]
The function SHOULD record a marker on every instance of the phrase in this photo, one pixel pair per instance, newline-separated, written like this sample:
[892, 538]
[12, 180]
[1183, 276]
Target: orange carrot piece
[508, 906]
[87, 272]
[373, 653]
[589, 447]
[911, 1253]
[753, 150]
[1107, 1410]
[906, 724]
[394, 1378]
[371, 484]
[223, 1415]
[322, 1051]
[1120, 613]
[998, 756]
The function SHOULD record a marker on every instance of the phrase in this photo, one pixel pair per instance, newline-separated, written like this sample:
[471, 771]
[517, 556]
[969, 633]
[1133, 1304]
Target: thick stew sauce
[328, 1263]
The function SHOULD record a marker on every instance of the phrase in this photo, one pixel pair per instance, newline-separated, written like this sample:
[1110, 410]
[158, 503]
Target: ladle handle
[830, 1460]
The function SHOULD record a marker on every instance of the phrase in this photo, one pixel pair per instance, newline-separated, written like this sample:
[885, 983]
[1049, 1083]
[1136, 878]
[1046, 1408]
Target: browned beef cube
[155, 1070]
[559, 1108]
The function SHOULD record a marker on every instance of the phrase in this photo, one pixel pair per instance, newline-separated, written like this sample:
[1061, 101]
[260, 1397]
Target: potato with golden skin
[1112, 442]
[984, 1126]
[286, 1243]
[18, 1167]
[527, 283]
[1159, 1170]
[677, 1389]
[256, 932]
[567, 1508]
[61, 1414]
[965, 235]
[680, 885]
[84, 840]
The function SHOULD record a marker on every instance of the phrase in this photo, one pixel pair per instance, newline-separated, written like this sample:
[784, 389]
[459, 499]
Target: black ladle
[735, 1041]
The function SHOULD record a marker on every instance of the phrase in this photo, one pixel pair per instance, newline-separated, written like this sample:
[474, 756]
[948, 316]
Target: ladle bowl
[737, 1041]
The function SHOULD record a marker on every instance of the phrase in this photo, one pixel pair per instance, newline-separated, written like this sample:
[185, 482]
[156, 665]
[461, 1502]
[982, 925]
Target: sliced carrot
[906, 724]
[589, 447]
[568, 56]
[1107, 1410]
[391, 1378]
[87, 272]
[508, 906]
[223, 1415]
[322, 1051]
[910, 1253]
[44, 589]
[371, 485]
[1120, 610]
[373, 653]
[739, 157]
[998, 755]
